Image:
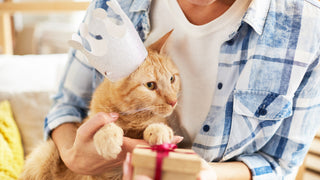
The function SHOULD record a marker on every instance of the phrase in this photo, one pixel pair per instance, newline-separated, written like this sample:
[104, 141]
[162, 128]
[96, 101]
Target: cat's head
[154, 86]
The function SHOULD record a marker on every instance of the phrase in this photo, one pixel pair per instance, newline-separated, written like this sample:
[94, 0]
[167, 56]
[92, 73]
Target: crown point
[110, 44]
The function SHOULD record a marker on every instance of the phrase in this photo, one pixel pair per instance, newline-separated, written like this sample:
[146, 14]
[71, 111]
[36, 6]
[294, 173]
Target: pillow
[11, 152]
[29, 110]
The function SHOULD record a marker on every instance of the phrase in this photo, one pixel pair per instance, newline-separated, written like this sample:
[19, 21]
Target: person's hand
[207, 172]
[128, 169]
[77, 149]
[82, 156]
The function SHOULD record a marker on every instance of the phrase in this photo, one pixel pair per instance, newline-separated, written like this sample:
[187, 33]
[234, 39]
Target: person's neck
[199, 15]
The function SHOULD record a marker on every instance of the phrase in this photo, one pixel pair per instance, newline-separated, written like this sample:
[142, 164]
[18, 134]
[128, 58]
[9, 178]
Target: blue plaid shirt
[266, 109]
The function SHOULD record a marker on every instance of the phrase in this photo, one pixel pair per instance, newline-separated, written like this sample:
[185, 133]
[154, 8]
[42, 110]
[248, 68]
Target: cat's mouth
[164, 110]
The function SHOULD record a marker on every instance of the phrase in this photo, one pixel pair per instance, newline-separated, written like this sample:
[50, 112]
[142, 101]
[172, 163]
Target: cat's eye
[172, 79]
[151, 85]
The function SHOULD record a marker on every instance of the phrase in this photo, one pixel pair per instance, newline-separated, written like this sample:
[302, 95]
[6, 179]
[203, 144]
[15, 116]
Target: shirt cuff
[262, 167]
[54, 120]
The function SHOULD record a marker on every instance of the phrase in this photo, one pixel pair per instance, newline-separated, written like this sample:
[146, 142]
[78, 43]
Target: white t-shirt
[195, 50]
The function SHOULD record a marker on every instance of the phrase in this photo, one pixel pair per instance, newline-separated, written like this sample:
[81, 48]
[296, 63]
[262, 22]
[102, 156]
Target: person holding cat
[250, 76]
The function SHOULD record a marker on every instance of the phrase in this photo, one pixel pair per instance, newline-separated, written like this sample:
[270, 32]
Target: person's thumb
[176, 139]
[91, 126]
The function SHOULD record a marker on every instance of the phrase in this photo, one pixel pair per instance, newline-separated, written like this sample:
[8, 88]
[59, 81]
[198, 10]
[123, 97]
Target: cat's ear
[159, 45]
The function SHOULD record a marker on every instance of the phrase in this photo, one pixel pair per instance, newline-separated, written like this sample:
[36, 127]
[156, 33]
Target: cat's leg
[108, 141]
[158, 133]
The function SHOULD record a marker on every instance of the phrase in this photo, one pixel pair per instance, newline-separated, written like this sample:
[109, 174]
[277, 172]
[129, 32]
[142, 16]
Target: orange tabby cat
[143, 101]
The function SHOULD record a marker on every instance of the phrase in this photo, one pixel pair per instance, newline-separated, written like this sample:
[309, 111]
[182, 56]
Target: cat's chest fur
[134, 125]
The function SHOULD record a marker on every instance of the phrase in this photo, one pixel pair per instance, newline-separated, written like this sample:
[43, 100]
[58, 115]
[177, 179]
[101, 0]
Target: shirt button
[220, 85]
[230, 42]
[206, 128]
[262, 111]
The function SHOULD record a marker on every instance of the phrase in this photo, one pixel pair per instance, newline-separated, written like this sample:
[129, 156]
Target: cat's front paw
[158, 133]
[108, 141]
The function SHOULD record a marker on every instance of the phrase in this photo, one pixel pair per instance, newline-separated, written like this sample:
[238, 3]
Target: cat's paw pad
[108, 141]
[158, 133]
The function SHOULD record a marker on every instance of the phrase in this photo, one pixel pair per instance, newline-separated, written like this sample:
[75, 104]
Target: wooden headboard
[8, 8]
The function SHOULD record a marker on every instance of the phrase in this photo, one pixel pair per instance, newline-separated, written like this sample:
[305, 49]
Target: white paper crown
[118, 50]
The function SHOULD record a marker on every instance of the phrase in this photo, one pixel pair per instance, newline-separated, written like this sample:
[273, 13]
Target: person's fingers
[127, 168]
[207, 172]
[176, 139]
[89, 128]
[129, 144]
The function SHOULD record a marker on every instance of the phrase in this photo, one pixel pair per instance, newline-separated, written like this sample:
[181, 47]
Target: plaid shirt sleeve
[71, 100]
[265, 112]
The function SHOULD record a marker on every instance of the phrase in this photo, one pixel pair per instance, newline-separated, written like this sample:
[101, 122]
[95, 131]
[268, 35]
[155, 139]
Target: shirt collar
[256, 14]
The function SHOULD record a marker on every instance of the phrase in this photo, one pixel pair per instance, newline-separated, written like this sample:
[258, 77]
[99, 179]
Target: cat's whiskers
[130, 112]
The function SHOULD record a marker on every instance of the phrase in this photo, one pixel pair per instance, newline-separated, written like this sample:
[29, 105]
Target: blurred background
[43, 33]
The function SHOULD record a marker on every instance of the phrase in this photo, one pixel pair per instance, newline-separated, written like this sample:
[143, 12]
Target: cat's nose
[172, 102]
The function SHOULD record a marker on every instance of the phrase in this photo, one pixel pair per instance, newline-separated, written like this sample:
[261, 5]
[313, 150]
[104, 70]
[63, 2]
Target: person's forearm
[231, 170]
[64, 138]
[76, 147]
[64, 135]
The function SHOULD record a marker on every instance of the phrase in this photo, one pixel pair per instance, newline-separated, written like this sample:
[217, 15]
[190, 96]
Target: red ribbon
[162, 152]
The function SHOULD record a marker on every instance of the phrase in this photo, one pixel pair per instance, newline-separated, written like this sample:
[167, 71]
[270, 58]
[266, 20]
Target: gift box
[165, 162]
